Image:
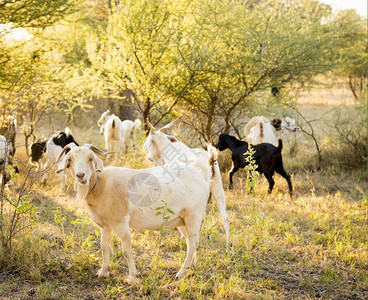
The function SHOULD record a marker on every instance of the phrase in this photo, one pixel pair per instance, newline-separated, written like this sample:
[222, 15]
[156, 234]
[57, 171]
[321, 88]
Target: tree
[211, 60]
[240, 51]
[353, 51]
[50, 72]
[138, 55]
[33, 13]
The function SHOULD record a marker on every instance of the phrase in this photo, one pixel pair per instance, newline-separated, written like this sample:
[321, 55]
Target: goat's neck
[161, 149]
[233, 143]
[83, 191]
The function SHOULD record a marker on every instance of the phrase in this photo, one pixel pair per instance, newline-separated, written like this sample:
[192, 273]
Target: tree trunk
[211, 116]
[352, 88]
[146, 114]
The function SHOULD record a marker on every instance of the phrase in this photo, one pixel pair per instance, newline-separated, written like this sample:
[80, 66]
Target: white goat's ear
[170, 124]
[61, 166]
[172, 139]
[98, 163]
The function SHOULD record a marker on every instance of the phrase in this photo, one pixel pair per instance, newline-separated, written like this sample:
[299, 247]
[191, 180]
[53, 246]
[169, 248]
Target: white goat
[4, 156]
[261, 130]
[118, 199]
[165, 149]
[117, 132]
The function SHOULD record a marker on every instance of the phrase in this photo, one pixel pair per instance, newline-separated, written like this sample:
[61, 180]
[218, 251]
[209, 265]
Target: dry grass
[311, 246]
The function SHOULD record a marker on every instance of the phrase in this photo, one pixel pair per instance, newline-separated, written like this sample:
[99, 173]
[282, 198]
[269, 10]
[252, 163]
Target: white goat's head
[156, 140]
[104, 117]
[288, 123]
[4, 150]
[82, 162]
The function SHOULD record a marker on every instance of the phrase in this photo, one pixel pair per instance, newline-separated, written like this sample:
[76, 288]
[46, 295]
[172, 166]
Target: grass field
[313, 245]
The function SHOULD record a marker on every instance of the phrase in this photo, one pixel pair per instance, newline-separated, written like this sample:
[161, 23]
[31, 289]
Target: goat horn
[153, 129]
[66, 148]
[96, 149]
[170, 124]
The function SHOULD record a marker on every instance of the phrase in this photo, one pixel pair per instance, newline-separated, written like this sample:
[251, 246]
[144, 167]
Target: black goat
[268, 159]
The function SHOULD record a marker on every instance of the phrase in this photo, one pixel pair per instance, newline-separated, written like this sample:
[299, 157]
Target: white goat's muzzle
[82, 175]
[80, 178]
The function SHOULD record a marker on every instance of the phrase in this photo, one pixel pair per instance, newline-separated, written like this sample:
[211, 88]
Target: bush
[347, 145]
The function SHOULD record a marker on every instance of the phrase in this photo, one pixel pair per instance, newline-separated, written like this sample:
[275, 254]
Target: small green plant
[164, 211]
[59, 218]
[16, 207]
[251, 168]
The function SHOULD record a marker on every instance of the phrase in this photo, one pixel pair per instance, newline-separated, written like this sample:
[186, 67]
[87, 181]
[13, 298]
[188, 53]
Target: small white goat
[4, 150]
[54, 146]
[261, 130]
[117, 132]
[165, 149]
[118, 199]
[4, 156]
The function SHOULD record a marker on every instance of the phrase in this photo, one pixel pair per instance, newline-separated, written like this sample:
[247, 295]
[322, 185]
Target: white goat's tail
[68, 131]
[212, 158]
[137, 124]
[261, 129]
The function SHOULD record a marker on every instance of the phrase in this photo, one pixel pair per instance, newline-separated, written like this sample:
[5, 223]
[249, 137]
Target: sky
[359, 5]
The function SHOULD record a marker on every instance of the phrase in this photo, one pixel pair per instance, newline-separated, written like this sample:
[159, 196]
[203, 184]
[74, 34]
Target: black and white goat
[54, 146]
[268, 159]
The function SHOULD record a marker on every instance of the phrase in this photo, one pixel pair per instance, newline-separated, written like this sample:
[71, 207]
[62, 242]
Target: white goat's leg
[110, 148]
[122, 145]
[183, 232]
[108, 145]
[118, 149]
[105, 241]
[218, 193]
[192, 243]
[123, 231]
[44, 178]
[63, 181]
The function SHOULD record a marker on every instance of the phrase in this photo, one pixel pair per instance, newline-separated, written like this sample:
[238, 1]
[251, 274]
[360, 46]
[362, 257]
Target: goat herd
[118, 199]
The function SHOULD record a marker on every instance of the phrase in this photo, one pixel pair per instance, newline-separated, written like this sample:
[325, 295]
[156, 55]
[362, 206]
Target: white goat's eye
[90, 159]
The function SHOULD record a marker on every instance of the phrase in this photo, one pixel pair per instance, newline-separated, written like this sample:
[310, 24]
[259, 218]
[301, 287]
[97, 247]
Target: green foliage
[25, 13]
[210, 60]
[137, 54]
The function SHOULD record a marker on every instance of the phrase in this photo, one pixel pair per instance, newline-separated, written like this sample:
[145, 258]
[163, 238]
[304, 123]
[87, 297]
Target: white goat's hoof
[132, 280]
[181, 273]
[101, 273]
